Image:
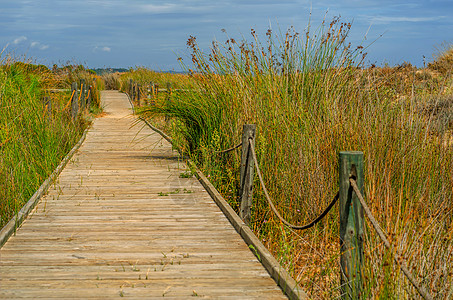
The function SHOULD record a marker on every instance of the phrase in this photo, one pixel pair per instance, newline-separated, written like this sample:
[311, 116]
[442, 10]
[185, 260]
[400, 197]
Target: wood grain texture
[121, 222]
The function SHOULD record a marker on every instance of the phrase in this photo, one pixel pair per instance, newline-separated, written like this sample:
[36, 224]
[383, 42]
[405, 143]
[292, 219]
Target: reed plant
[310, 98]
[33, 136]
[144, 77]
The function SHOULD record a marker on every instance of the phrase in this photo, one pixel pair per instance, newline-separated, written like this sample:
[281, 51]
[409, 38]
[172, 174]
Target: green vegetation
[32, 141]
[310, 97]
[186, 174]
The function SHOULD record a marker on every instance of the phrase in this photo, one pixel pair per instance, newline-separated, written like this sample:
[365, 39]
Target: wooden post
[48, 106]
[156, 90]
[130, 88]
[351, 224]
[75, 101]
[90, 89]
[138, 95]
[247, 172]
[82, 93]
[150, 93]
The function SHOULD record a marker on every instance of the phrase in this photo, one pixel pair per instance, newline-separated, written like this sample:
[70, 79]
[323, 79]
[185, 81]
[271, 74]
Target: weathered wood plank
[120, 212]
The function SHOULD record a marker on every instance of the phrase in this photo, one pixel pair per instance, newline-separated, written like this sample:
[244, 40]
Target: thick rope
[70, 100]
[398, 258]
[80, 94]
[230, 149]
[274, 209]
[88, 94]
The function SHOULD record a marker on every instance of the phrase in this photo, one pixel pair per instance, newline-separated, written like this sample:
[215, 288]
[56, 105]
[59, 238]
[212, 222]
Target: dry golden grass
[310, 101]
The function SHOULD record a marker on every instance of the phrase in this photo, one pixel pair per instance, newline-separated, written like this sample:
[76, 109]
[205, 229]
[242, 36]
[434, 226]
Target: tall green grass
[32, 142]
[310, 98]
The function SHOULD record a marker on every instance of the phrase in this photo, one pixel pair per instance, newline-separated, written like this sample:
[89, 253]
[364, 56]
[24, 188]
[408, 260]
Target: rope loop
[274, 209]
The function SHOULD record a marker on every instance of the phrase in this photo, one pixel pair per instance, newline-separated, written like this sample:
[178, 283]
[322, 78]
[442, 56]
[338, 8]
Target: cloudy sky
[151, 33]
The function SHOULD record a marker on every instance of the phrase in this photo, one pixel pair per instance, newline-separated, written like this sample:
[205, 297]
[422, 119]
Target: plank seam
[288, 285]
[11, 227]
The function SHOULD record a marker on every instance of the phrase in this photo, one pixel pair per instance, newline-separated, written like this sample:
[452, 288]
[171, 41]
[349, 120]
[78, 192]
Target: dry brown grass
[304, 117]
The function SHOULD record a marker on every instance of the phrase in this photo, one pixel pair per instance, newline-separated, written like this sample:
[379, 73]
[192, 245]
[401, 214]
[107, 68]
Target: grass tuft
[33, 136]
[311, 97]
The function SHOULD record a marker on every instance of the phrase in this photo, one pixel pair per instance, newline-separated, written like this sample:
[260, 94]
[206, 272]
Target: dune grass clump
[33, 136]
[443, 60]
[310, 98]
[144, 77]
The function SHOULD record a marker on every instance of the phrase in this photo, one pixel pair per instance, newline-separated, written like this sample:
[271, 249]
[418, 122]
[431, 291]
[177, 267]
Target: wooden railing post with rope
[90, 91]
[351, 211]
[351, 224]
[134, 91]
[169, 91]
[151, 93]
[80, 100]
[156, 90]
[138, 95]
[141, 97]
[247, 172]
[74, 101]
[82, 93]
[148, 94]
[48, 107]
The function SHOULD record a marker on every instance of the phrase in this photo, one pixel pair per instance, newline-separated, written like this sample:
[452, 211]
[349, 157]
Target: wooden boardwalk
[122, 222]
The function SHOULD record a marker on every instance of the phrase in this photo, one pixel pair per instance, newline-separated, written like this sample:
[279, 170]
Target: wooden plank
[105, 225]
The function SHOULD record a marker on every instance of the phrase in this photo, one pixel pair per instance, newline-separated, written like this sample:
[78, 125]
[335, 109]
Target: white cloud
[157, 9]
[39, 45]
[104, 49]
[384, 19]
[19, 40]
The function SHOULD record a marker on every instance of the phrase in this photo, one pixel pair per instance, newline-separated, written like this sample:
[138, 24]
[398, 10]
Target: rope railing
[136, 90]
[230, 149]
[274, 209]
[352, 205]
[79, 98]
[351, 211]
[246, 217]
[398, 257]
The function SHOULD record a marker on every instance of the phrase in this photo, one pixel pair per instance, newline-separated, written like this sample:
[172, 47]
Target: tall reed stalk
[310, 98]
[33, 138]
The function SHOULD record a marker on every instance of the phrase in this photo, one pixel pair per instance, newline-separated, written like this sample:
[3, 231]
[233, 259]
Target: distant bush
[443, 60]
[111, 81]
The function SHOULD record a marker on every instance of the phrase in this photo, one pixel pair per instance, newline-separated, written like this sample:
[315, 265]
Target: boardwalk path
[103, 231]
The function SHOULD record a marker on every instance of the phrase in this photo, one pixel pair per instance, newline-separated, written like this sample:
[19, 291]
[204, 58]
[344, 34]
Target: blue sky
[114, 33]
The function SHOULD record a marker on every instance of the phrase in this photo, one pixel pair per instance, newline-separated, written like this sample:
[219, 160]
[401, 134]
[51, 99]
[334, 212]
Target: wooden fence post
[351, 224]
[169, 89]
[90, 88]
[247, 172]
[75, 101]
[156, 90]
[130, 88]
[147, 99]
[48, 106]
[138, 95]
[150, 93]
[82, 93]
